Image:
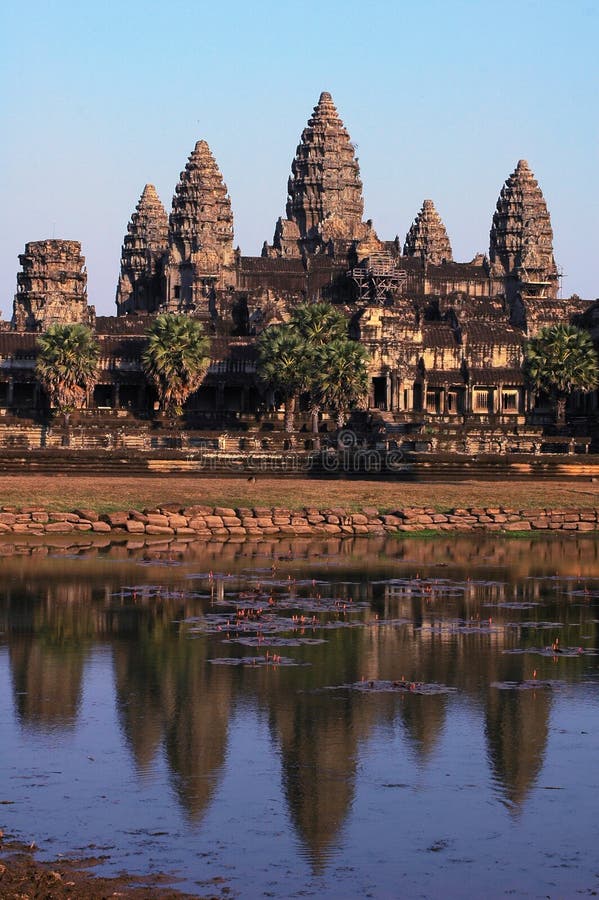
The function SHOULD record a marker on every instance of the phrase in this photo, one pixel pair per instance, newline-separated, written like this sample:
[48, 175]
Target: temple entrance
[103, 394]
[379, 386]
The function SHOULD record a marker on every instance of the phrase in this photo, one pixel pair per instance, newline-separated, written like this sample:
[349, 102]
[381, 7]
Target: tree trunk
[290, 414]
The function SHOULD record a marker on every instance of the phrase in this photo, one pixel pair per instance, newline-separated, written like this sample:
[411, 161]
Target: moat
[400, 717]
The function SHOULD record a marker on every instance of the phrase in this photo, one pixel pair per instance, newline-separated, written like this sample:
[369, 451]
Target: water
[421, 735]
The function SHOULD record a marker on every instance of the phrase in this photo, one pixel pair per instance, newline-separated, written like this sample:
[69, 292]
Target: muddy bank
[22, 877]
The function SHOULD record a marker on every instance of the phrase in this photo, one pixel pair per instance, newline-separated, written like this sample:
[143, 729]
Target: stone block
[214, 521]
[58, 527]
[134, 527]
[157, 519]
[158, 529]
[100, 527]
[116, 519]
[90, 515]
[231, 521]
[517, 526]
[177, 521]
[197, 523]
[224, 511]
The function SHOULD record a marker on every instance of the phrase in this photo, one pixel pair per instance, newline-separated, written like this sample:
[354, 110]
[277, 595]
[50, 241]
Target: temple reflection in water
[453, 608]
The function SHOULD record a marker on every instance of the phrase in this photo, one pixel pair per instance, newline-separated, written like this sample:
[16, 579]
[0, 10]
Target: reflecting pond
[383, 718]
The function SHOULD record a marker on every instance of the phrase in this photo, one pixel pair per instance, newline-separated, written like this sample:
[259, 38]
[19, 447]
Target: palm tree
[67, 362]
[340, 378]
[282, 365]
[175, 359]
[319, 323]
[559, 360]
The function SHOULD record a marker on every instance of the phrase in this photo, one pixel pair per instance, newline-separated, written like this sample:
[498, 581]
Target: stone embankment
[208, 522]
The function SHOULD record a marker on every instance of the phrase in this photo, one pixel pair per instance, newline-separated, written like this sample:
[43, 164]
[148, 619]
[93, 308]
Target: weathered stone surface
[52, 286]
[144, 246]
[158, 529]
[521, 235]
[89, 515]
[100, 526]
[200, 255]
[427, 237]
[325, 191]
[157, 519]
[135, 527]
[177, 521]
[116, 519]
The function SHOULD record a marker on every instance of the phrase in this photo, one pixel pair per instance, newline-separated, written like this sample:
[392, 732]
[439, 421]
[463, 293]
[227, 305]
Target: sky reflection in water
[121, 740]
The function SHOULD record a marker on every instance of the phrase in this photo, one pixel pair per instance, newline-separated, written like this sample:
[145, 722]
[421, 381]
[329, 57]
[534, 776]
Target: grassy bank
[107, 494]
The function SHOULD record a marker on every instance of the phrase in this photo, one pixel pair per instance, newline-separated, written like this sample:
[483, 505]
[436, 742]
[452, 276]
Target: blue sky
[442, 99]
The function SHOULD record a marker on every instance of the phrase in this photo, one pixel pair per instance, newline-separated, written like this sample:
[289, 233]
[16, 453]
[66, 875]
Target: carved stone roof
[427, 238]
[325, 184]
[521, 234]
[201, 219]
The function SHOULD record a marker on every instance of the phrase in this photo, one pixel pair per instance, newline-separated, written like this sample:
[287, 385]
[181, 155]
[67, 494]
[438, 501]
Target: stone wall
[258, 523]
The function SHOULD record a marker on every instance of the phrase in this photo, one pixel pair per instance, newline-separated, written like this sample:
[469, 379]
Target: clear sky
[441, 98]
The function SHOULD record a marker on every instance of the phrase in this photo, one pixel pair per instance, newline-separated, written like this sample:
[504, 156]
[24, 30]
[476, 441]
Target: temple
[445, 338]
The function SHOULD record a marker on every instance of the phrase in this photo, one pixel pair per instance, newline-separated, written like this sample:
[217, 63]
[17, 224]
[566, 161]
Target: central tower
[324, 203]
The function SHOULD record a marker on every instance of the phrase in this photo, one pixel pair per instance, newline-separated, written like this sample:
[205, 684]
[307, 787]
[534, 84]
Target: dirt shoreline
[23, 877]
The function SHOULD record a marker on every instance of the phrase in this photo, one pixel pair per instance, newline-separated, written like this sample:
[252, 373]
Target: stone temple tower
[200, 258]
[145, 244]
[52, 287]
[324, 204]
[521, 245]
[427, 237]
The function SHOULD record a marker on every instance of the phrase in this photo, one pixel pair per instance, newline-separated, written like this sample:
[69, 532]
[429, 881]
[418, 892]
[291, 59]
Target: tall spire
[144, 246]
[427, 236]
[521, 236]
[324, 191]
[325, 178]
[200, 230]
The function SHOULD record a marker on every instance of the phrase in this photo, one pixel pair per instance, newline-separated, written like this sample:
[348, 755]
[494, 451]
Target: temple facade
[445, 338]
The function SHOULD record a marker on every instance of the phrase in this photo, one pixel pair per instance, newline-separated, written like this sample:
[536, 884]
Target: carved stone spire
[427, 237]
[144, 247]
[325, 201]
[52, 286]
[521, 235]
[200, 232]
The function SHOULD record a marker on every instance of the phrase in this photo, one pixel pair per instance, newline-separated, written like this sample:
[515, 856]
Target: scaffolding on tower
[377, 277]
